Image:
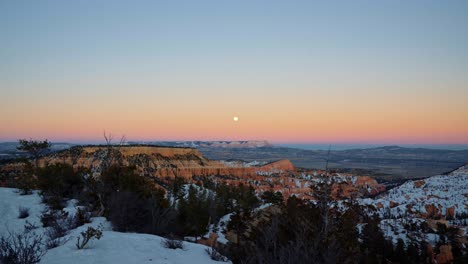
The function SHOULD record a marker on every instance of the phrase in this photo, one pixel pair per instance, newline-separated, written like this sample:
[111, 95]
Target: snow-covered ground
[220, 229]
[243, 164]
[406, 205]
[113, 247]
[10, 202]
[412, 197]
[394, 229]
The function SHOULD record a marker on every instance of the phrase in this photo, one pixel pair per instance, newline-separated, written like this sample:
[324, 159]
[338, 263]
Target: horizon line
[78, 141]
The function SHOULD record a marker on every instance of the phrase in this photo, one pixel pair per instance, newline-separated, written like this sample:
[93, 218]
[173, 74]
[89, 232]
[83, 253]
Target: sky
[291, 71]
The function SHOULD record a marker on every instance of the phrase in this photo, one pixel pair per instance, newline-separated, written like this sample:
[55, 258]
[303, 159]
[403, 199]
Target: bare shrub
[54, 201]
[25, 184]
[215, 255]
[173, 243]
[82, 217]
[55, 242]
[21, 248]
[23, 212]
[55, 217]
[87, 236]
[58, 224]
[28, 227]
[55, 236]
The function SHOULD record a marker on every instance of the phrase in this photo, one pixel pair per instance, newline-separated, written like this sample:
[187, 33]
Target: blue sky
[239, 57]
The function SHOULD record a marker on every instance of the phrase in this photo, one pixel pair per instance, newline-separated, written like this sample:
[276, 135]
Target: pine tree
[34, 148]
[400, 252]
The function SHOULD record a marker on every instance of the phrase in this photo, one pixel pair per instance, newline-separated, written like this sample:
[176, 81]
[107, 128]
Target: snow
[220, 229]
[410, 200]
[10, 202]
[262, 207]
[394, 229]
[442, 191]
[243, 164]
[113, 247]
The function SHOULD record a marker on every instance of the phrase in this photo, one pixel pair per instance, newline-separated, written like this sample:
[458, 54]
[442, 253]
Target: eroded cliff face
[160, 162]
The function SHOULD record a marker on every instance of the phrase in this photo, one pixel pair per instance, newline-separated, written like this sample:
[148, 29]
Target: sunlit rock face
[159, 161]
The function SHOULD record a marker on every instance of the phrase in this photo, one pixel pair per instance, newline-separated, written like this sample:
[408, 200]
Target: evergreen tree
[272, 197]
[34, 148]
[194, 212]
[373, 241]
[400, 252]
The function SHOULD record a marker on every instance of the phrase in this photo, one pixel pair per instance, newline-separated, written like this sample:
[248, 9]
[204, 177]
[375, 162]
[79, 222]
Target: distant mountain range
[387, 162]
[8, 149]
[215, 144]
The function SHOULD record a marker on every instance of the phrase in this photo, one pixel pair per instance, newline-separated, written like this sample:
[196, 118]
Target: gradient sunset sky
[292, 71]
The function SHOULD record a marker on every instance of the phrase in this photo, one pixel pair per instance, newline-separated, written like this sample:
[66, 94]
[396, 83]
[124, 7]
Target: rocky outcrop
[370, 184]
[418, 184]
[159, 162]
[432, 211]
[450, 213]
[445, 256]
[276, 166]
[189, 163]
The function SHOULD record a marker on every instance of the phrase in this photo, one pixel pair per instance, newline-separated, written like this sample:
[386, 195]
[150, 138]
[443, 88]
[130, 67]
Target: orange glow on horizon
[277, 128]
[305, 72]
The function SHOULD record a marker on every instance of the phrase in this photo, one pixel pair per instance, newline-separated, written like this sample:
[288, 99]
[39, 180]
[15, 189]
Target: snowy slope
[113, 247]
[404, 209]
[414, 197]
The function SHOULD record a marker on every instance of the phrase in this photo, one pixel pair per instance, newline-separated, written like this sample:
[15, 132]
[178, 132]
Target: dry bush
[215, 255]
[173, 243]
[21, 248]
[87, 236]
[23, 212]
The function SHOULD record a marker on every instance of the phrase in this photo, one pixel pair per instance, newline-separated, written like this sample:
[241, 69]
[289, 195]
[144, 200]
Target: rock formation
[445, 256]
[190, 164]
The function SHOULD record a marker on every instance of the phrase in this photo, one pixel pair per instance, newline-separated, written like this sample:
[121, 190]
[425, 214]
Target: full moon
[236, 119]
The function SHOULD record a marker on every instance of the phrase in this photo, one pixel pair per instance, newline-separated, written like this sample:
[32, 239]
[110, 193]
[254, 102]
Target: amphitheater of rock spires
[170, 162]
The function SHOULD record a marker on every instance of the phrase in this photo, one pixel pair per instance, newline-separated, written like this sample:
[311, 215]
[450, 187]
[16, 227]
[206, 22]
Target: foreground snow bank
[113, 247]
